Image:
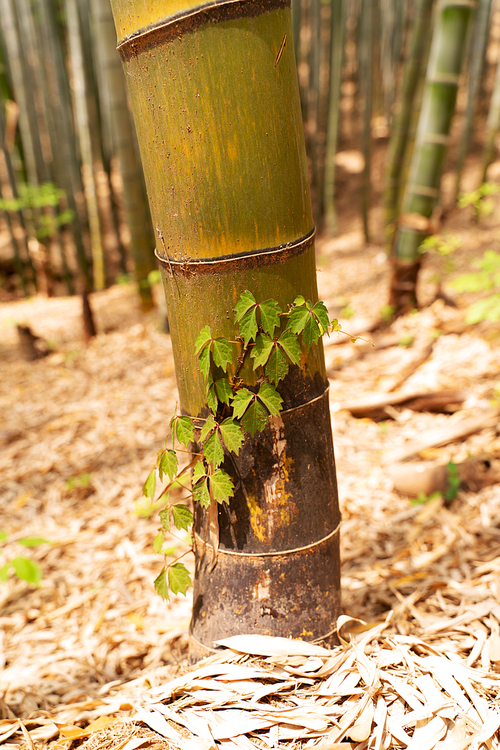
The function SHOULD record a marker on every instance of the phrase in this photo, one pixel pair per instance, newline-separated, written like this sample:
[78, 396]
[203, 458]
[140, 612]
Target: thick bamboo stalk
[223, 154]
[398, 142]
[479, 41]
[432, 138]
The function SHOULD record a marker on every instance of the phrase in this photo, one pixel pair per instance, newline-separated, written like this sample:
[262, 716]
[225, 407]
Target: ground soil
[80, 430]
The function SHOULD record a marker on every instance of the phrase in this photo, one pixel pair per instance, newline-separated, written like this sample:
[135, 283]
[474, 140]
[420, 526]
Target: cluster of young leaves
[485, 279]
[23, 567]
[271, 341]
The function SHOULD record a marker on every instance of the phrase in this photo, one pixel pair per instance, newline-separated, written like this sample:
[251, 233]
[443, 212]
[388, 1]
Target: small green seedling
[22, 567]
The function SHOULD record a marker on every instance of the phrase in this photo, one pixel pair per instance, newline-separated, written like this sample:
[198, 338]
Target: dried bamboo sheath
[215, 98]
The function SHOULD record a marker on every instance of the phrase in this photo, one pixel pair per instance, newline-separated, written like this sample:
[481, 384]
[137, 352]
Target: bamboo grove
[414, 82]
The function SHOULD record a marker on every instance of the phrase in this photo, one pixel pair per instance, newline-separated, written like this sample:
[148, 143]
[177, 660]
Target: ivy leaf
[204, 359]
[232, 435]
[224, 390]
[297, 318]
[321, 313]
[201, 494]
[150, 486]
[271, 398]
[270, 315]
[165, 519]
[222, 486]
[27, 570]
[179, 579]
[160, 584]
[312, 331]
[261, 351]
[207, 427]
[248, 327]
[184, 430]
[204, 337]
[290, 345]
[158, 542]
[32, 541]
[277, 367]
[255, 418]
[168, 464]
[222, 353]
[241, 402]
[245, 302]
[213, 450]
[212, 401]
[183, 518]
[198, 472]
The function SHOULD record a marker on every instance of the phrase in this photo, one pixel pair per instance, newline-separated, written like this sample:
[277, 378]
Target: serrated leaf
[168, 464]
[290, 345]
[241, 401]
[245, 302]
[213, 451]
[255, 418]
[262, 350]
[297, 319]
[198, 472]
[165, 519]
[222, 353]
[311, 332]
[222, 486]
[201, 494]
[27, 570]
[179, 579]
[150, 486]
[271, 398]
[277, 367]
[299, 300]
[32, 541]
[158, 542]
[204, 360]
[4, 572]
[212, 401]
[232, 435]
[321, 313]
[184, 430]
[183, 517]
[270, 316]
[207, 427]
[224, 390]
[204, 336]
[160, 584]
[248, 326]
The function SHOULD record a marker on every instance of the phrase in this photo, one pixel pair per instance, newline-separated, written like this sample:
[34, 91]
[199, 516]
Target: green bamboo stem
[432, 138]
[398, 142]
[337, 24]
[123, 143]
[230, 203]
[479, 41]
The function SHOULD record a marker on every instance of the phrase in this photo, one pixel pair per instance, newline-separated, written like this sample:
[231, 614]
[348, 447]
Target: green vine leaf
[270, 313]
[168, 464]
[184, 429]
[183, 517]
[158, 542]
[201, 494]
[232, 435]
[311, 322]
[245, 302]
[271, 398]
[262, 350]
[212, 401]
[204, 337]
[224, 390]
[255, 417]
[165, 519]
[289, 343]
[207, 427]
[198, 472]
[241, 402]
[248, 327]
[222, 486]
[149, 487]
[213, 450]
[222, 353]
[160, 584]
[277, 366]
[179, 579]
[4, 572]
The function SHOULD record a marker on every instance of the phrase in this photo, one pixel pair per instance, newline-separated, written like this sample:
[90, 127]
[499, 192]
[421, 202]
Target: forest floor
[79, 433]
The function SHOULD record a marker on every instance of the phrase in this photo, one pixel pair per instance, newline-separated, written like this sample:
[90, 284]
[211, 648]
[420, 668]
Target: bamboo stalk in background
[432, 139]
[223, 154]
[492, 126]
[82, 123]
[479, 42]
[337, 23]
[123, 140]
[400, 130]
[366, 78]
